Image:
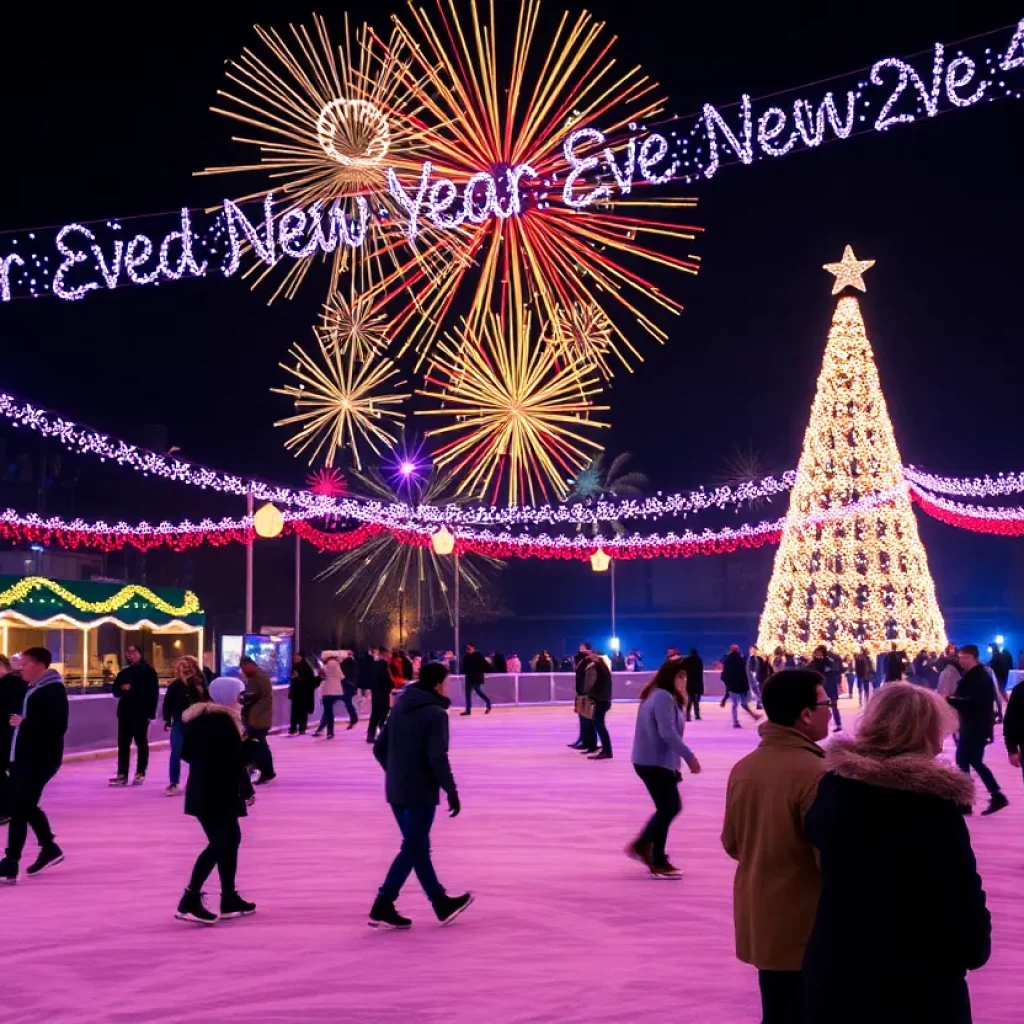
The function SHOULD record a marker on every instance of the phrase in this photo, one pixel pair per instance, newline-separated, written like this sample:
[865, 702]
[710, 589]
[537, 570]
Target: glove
[454, 805]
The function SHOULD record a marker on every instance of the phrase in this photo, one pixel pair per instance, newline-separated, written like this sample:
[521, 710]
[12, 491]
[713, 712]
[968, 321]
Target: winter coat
[734, 673]
[498, 664]
[12, 699]
[898, 878]
[895, 666]
[333, 679]
[474, 668]
[694, 675]
[180, 696]
[1013, 721]
[658, 739]
[350, 675]
[974, 699]
[139, 703]
[593, 678]
[862, 666]
[37, 745]
[949, 680]
[1001, 664]
[302, 690]
[218, 782]
[413, 749]
[543, 664]
[515, 666]
[382, 680]
[258, 701]
[775, 891]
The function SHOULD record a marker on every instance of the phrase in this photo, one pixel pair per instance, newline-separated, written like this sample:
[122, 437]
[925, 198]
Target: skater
[137, 691]
[583, 706]
[188, 687]
[1001, 663]
[217, 793]
[12, 698]
[302, 694]
[37, 749]
[974, 699]
[413, 751]
[258, 717]
[1013, 725]
[474, 670]
[658, 750]
[830, 668]
[775, 891]
[864, 670]
[694, 683]
[349, 686]
[381, 688]
[737, 685]
[756, 673]
[886, 800]
[331, 690]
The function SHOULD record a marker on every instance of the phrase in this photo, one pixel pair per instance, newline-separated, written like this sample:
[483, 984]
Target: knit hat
[225, 690]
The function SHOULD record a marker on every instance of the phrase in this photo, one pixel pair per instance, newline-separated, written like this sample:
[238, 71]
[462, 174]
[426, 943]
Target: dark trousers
[223, 838]
[864, 690]
[5, 792]
[693, 705]
[300, 716]
[970, 753]
[414, 823]
[588, 736]
[601, 708]
[26, 788]
[832, 689]
[177, 742]
[132, 730]
[347, 696]
[379, 710]
[479, 687]
[781, 997]
[663, 786]
[259, 751]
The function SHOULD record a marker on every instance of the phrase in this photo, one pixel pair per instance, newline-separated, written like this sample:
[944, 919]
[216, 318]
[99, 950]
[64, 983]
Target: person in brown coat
[258, 715]
[775, 893]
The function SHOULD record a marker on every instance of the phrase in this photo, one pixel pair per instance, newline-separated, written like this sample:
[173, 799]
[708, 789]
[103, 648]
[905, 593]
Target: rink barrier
[92, 723]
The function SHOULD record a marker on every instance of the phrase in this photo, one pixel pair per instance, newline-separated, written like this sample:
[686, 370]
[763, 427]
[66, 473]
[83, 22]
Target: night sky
[106, 115]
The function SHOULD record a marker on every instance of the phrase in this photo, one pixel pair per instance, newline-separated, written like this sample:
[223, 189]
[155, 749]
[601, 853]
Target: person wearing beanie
[218, 792]
[413, 750]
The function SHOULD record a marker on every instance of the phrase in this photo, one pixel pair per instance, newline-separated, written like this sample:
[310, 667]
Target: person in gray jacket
[658, 750]
[413, 750]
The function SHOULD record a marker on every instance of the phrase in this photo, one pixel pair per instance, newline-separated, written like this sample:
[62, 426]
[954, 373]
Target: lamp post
[443, 543]
[601, 561]
[267, 522]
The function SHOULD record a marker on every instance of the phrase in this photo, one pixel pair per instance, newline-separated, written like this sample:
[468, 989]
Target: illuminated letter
[131, 260]
[109, 275]
[580, 167]
[442, 194]
[956, 81]
[73, 256]
[186, 262]
[412, 206]
[5, 274]
[290, 227]
[648, 159]
[512, 176]
[490, 198]
[767, 132]
[1014, 56]
[625, 180]
[744, 150]
[264, 248]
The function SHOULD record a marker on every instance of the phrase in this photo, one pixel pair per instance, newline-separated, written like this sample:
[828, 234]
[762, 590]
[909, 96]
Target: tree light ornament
[849, 272]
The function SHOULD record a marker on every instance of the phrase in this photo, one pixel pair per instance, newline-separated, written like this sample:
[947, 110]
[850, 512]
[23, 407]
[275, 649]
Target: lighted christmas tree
[851, 570]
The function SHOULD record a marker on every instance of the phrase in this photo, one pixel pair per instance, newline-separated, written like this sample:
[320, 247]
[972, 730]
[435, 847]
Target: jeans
[601, 708]
[177, 740]
[26, 791]
[663, 786]
[259, 751]
[781, 997]
[970, 753]
[864, 690]
[832, 689]
[588, 737]
[693, 705]
[414, 823]
[738, 700]
[479, 687]
[347, 696]
[221, 852]
[380, 708]
[131, 730]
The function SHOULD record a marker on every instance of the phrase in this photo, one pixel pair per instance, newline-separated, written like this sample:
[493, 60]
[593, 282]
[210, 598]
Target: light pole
[267, 522]
[443, 543]
[248, 564]
[298, 590]
[601, 561]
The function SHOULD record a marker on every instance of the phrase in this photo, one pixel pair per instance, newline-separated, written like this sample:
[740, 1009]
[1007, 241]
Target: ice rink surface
[564, 927]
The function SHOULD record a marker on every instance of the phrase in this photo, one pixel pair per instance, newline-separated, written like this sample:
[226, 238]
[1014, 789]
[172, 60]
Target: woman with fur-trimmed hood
[898, 876]
[217, 793]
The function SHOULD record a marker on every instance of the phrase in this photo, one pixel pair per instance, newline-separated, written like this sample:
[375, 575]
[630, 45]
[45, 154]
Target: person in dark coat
[896, 665]
[413, 751]
[543, 663]
[974, 699]
[694, 683]
[864, 670]
[381, 686]
[597, 688]
[37, 749]
[137, 691]
[886, 801]
[217, 793]
[1013, 725]
[737, 685]
[830, 667]
[499, 664]
[474, 669]
[586, 740]
[1001, 664]
[12, 698]
[301, 693]
[189, 686]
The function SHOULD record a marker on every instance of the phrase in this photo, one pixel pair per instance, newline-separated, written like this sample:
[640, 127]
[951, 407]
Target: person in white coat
[331, 690]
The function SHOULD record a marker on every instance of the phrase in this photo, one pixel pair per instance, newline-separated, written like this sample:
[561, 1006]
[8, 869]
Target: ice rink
[564, 927]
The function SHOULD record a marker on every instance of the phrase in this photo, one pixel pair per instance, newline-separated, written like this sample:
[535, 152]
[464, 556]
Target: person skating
[598, 687]
[302, 694]
[137, 690]
[217, 793]
[658, 751]
[474, 670]
[37, 749]
[258, 717]
[331, 691]
[349, 686]
[864, 671]
[12, 699]
[830, 668]
[887, 801]
[775, 890]
[380, 695]
[586, 740]
[974, 699]
[737, 685]
[694, 683]
[1001, 664]
[188, 687]
[413, 751]
[1013, 725]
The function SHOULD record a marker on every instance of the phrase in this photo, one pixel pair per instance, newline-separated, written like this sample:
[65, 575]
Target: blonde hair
[187, 667]
[905, 719]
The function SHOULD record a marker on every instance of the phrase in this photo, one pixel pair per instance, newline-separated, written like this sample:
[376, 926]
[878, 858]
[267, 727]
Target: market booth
[87, 625]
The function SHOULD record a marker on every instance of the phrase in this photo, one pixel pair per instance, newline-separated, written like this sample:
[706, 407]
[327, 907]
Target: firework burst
[519, 418]
[340, 400]
[328, 483]
[355, 323]
[582, 334]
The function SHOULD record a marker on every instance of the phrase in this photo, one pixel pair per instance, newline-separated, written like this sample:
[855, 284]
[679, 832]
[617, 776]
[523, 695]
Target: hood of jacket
[415, 698]
[912, 773]
[209, 708]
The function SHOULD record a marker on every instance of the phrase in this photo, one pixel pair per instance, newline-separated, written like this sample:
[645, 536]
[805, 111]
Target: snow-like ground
[564, 929]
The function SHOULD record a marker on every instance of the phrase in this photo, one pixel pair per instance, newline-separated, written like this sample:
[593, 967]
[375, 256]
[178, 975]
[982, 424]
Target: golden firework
[582, 334]
[354, 323]
[519, 417]
[340, 399]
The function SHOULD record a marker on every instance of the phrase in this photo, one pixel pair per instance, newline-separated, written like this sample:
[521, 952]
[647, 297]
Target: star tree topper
[849, 272]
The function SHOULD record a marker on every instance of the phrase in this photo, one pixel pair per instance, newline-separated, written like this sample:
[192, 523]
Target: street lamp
[601, 561]
[443, 543]
[268, 521]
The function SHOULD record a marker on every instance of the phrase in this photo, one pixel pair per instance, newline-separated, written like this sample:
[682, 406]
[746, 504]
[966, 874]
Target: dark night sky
[109, 115]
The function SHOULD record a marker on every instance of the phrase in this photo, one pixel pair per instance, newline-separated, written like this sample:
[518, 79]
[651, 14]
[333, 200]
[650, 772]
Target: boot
[191, 908]
[232, 905]
[997, 803]
[448, 907]
[384, 916]
[49, 856]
